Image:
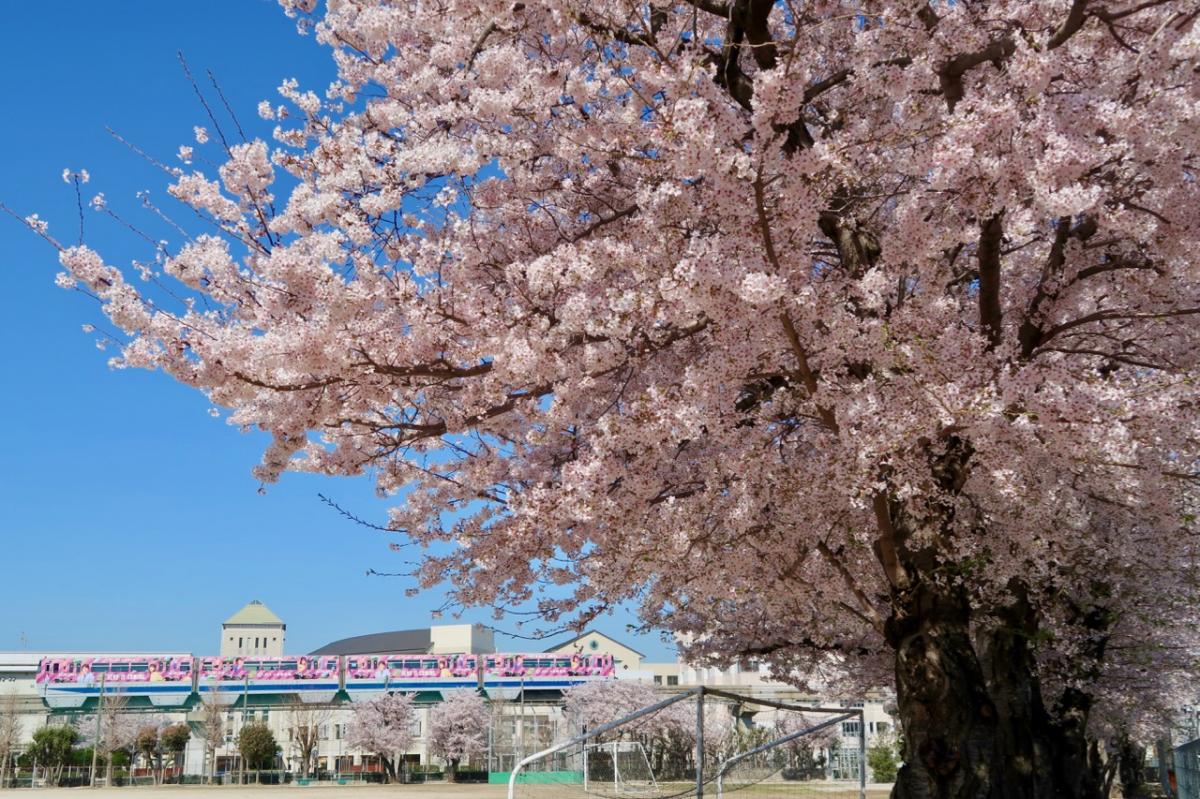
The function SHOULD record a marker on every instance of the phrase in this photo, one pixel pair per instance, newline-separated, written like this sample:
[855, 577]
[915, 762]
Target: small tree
[383, 726]
[212, 730]
[148, 744]
[882, 760]
[52, 747]
[10, 733]
[118, 731]
[174, 740]
[305, 722]
[257, 744]
[458, 728]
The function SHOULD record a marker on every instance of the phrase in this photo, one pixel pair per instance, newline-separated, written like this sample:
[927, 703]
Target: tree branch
[869, 613]
[1074, 21]
[991, 315]
[951, 73]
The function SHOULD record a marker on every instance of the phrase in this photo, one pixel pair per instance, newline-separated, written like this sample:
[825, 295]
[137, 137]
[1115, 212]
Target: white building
[527, 711]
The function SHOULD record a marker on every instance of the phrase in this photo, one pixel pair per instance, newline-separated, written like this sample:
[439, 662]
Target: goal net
[621, 768]
[699, 743]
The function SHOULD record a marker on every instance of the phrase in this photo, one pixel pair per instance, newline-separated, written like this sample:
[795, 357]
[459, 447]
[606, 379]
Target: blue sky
[128, 516]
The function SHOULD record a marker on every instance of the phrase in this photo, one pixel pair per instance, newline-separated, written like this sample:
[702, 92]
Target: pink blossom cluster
[458, 725]
[830, 335]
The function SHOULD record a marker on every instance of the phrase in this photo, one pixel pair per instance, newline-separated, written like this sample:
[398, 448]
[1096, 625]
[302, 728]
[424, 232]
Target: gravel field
[308, 792]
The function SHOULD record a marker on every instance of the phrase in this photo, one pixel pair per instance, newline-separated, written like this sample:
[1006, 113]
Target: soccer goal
[622, 767]
[705, 744]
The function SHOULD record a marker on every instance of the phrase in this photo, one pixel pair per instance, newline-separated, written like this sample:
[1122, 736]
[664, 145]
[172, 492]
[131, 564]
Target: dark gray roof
[402, 642]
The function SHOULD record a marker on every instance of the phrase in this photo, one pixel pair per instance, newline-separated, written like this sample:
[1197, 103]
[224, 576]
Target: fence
[1187, 770]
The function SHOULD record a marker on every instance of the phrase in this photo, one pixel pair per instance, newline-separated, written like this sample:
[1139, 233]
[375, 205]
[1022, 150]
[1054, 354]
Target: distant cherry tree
[458, 727]
[592, 704]
[383, 726]
[858, 339]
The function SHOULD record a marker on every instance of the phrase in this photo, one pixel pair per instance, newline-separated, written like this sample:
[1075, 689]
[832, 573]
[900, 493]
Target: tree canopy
[860, 339]
[257, 745]
[384, 727]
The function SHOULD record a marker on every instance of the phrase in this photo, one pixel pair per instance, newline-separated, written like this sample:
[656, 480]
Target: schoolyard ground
[442, 791]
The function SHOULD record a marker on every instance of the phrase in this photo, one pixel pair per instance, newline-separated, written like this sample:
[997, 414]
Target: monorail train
[171, 680]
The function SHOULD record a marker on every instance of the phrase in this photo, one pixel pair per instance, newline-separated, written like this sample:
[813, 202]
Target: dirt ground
[306, 792]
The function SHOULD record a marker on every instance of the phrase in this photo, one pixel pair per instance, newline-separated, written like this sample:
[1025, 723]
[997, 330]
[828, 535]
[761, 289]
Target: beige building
[592, 642]
[253, 631]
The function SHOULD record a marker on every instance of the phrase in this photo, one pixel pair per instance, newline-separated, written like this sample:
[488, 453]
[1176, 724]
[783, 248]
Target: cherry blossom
[458, 727]
[858, 340]
[384, 727]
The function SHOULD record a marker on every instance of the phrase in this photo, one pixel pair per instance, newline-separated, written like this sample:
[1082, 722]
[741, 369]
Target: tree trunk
[953, 746]
[1131, 767]
[1076, 774]
[975, 725]
[389, 769]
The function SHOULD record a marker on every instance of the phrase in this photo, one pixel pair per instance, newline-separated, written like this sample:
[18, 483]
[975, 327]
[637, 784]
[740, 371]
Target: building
[627, 659]
[253, 681]
[442, 639]
[254, 630]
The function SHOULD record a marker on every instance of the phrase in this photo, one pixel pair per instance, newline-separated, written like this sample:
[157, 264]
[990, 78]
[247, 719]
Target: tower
[253, 631]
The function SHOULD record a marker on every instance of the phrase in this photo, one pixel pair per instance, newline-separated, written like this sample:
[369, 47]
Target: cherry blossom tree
[851, 338]
[458, 727]
[384, 727]
[669, 735]
[810, 754]
[589, 705]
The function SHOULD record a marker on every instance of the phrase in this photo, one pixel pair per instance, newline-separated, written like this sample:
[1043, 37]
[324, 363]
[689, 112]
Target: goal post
[843, 714]
[582, 740]
[702, 743]
[728, 764]
[628, 771]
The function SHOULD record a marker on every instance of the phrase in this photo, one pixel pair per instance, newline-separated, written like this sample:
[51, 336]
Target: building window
[850, 728]
[658, 679]
[239, 643]
[672, 679]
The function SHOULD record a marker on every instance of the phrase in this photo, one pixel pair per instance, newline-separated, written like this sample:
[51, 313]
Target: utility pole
[862, 751]
[245, 706]
[522, 722]
[700, 743]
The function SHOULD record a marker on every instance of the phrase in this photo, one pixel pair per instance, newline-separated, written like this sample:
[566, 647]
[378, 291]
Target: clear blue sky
[128, 516]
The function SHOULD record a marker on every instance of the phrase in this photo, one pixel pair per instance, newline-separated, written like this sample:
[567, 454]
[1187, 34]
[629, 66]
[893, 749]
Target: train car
[69, 681]
[502, 676]
[313, 678]
[508, 675]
